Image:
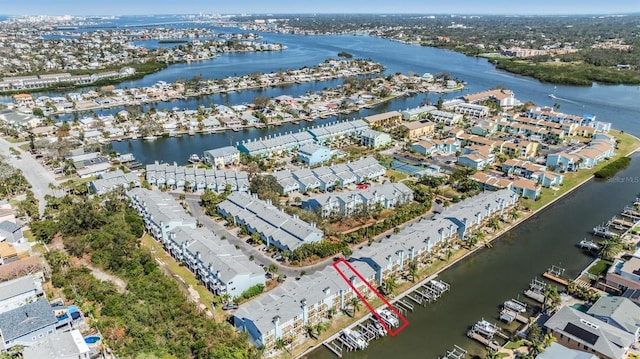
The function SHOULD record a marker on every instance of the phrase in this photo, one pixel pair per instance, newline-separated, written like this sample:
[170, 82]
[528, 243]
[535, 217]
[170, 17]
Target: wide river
[484, 280]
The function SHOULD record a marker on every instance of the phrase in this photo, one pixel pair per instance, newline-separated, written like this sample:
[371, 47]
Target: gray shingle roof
[9, 227]
[26, 319]
[619, 309]
[16, 287]
[592, 332]
[58, 346]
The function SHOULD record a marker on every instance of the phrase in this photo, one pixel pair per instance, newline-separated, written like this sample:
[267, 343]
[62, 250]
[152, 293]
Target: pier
[509, 316]
[554, 273]
[488, 342]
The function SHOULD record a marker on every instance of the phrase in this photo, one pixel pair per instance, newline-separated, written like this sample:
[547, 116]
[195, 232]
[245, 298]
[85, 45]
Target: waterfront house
[564, 162]
[533, 171]
[160, 212]
[386, 119]
[313, 154]
[418, 128]
[502, 97]
[374, 139]
[624, 274]
[287, 310]
[619, 312]
[221, 267]
[274, 226]
[66, 345]
[526, 188]
[577, 330]
[275, 144]
[15, 293]
[223, 156]
[27, 324]
[557, 351]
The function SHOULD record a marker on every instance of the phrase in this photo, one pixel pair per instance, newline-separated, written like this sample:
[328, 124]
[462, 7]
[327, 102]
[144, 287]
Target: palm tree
[494, 223]
[390, 285]
[551, 298]
[413, 270]
[492, 354]
[355, 303]
[609, 248]
[514, 214]
[321, 327]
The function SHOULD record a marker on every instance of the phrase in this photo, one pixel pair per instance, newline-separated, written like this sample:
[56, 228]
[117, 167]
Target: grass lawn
[627, 144]
[397, 175]
[600, 267]
[514, 345]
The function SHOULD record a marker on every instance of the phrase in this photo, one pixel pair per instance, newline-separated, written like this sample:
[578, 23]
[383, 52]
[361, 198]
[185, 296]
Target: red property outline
[364, 300]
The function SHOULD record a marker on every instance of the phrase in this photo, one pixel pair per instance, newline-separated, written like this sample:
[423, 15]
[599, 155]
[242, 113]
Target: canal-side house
[532, 171]
[223, 156]
[286, 311]
[577, 330]
[221, 267]
[275, 227]
[276, 144]
[619, 312]
[160, 212]
[624, 274]
[27, 324]
[557, 351]
[313, 154]
[563, 162]
[469, 215]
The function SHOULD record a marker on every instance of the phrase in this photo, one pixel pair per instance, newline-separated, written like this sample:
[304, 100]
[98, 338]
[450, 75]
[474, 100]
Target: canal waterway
[482, 281]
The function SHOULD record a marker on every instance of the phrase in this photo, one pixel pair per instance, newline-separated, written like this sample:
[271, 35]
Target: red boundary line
[364, 300]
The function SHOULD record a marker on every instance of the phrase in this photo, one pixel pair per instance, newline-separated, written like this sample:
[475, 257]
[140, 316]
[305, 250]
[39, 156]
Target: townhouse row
[286, 311]
[221, 267]
[195, 179]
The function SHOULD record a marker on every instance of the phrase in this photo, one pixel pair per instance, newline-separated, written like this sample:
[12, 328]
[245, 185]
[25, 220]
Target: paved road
[38, 176]
[261, 257]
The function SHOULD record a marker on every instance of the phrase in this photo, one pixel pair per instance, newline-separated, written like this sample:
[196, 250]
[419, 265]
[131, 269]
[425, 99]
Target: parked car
[229, 306]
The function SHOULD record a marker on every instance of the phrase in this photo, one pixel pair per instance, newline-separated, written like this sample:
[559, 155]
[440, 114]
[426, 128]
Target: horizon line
[339, 13]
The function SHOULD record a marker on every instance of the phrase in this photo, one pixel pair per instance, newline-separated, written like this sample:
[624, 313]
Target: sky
[149, 7]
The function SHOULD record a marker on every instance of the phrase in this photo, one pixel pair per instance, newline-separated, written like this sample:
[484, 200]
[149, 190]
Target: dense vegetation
[151, 315]
[570, 74]
[612, 168]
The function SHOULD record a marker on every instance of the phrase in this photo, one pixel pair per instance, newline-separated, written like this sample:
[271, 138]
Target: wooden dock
[509, 316]
[487, 342]
[555, 279]
[537, 296]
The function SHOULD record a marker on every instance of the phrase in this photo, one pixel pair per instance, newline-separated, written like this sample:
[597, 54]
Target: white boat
[515, 306]
[388, 317]
[438, 285]
[585, 244]
[485, 328]
[379, 328]
[354, 338]
[194, 158]
[149, 138]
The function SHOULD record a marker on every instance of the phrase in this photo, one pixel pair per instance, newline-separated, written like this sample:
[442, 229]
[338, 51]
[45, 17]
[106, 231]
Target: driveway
[193, 201]
[38, 176]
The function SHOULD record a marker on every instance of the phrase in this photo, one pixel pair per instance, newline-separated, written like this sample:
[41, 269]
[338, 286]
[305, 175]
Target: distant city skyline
[152, 7]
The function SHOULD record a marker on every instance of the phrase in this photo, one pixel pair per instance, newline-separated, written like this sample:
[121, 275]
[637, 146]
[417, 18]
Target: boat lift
[455, 353]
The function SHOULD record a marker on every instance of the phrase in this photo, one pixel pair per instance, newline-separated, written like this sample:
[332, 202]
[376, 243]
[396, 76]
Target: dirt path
[104, 276]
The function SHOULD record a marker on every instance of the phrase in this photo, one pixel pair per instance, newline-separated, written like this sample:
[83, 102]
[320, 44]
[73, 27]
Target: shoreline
[494, 236]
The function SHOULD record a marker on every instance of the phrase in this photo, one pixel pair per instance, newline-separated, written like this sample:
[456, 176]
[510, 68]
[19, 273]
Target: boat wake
[563, 99]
